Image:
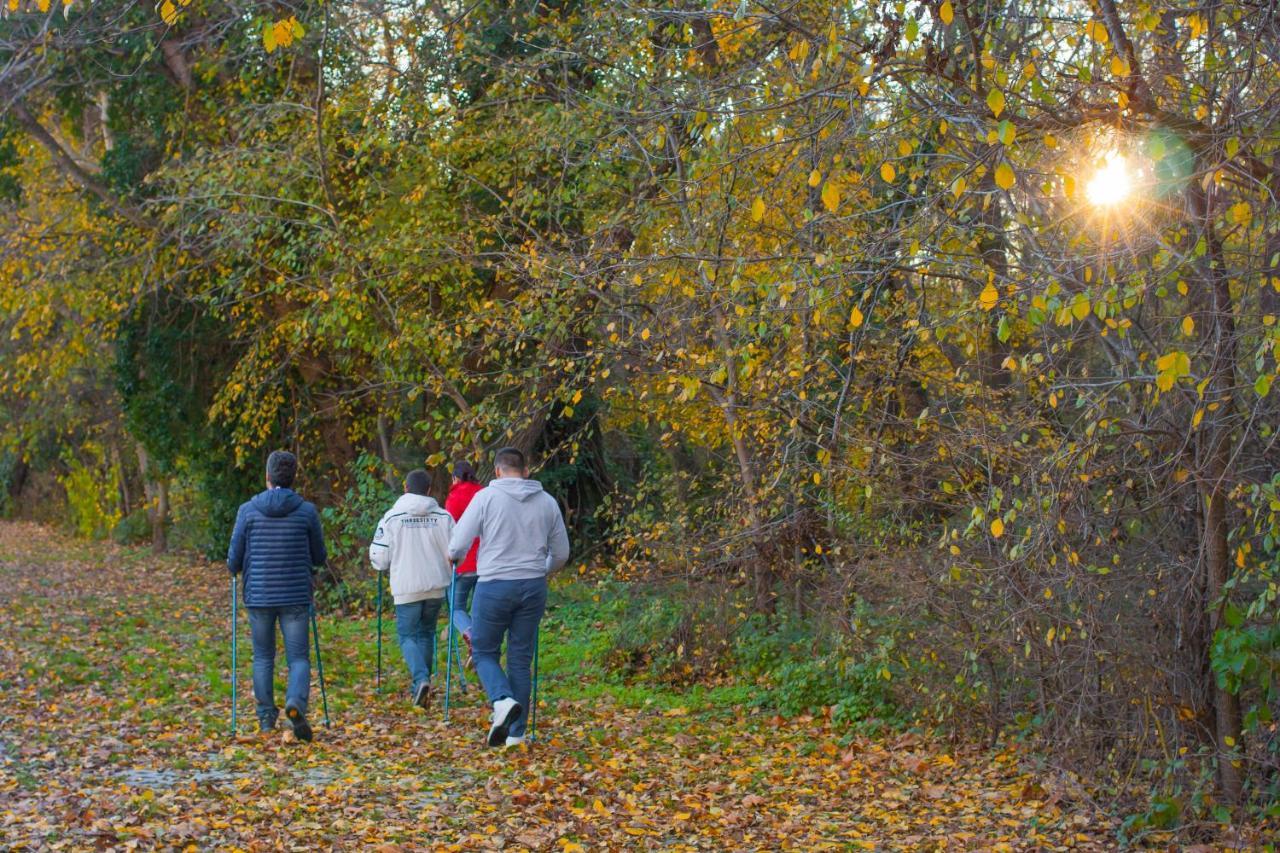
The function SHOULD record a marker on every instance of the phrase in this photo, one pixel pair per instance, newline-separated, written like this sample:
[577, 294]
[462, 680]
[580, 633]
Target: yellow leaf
[887, 172]
[1048, 638]
[269, 36]
[168, 13]
[855, 318]
[957, 186]
[757, 209]
[989, 296]
[598, 806]
[1188, 326]
[946, 13]
[644, 335]
[1005, 179]
[283, 32]
[831, 196]
[904, 148]
[1069, 186]
[1241, 213]
[995, 100]
[997, 528]
[1080, 308]
[1119, 67]
[815, 178]
[1098, 32]
[817, 478]
[42, 5]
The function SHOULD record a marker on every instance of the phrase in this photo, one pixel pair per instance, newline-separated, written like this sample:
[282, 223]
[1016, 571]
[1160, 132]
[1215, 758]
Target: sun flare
[1111, 184]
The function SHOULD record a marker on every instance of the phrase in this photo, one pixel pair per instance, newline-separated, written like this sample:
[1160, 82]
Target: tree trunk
[1213, 479]
[157, 493]
[160, 518]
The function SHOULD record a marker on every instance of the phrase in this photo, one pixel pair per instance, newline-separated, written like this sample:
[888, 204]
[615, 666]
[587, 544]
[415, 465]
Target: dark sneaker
[301, 728]
[505, 712]
[422, 696]
[267, 722]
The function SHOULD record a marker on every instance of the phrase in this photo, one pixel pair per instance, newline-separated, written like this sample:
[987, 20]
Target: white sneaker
[505, 712]
[515, 741]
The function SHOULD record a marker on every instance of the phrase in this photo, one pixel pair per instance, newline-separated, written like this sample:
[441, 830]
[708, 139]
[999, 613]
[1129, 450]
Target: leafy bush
[348, 527]
[91, 488]
[133, 528]
[797, 665]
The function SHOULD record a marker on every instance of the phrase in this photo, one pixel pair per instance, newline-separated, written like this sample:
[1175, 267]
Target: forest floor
[114, 734]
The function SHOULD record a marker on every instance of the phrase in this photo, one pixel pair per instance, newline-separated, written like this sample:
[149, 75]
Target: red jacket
[460, 495]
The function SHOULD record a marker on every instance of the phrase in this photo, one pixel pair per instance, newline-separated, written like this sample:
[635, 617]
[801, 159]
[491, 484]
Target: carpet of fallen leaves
[114, 703]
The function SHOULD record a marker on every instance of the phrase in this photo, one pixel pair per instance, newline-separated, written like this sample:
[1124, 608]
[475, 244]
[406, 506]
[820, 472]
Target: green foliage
[349, 526]
[132, 529]
[10, 161]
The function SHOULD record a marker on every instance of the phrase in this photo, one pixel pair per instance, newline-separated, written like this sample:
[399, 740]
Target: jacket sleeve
[443, 541]
[467, 528]
[380, 547]
[318, 554]
[235, 553]
[557, 541]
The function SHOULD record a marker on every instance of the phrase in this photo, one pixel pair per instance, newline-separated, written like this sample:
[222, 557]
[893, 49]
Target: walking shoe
[301, 729]
[422, 696]
[515, 741]
[471, 658]
[505, 712]
[267, 722]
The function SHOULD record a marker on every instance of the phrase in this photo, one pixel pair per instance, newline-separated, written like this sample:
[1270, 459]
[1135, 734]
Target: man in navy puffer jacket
[277, 544]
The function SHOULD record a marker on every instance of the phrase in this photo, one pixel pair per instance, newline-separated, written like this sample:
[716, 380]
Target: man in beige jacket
[412, 541]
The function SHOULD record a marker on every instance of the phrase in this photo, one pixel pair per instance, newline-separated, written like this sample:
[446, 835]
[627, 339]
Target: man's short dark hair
[282, 468]
[509, 459]
[417, 482]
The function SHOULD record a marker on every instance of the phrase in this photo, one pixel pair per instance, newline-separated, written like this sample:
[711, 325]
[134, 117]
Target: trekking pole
[379, 578]
[448, 653]
[235, 605]
[315, 635]
[533, 711]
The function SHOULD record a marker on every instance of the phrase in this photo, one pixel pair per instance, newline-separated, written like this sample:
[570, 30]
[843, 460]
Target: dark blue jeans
[294, 621]
[513, 609]
[416, 629]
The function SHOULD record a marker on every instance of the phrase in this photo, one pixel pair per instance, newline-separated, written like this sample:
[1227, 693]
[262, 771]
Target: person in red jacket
[464, 488]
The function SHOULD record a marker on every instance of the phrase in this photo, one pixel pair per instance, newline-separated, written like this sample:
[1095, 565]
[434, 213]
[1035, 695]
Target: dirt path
[114, 706]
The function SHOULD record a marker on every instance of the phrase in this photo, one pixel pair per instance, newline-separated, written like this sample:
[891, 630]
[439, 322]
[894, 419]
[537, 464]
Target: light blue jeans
[464, 587]
[416, 630]
[513, 609]
[294, 621]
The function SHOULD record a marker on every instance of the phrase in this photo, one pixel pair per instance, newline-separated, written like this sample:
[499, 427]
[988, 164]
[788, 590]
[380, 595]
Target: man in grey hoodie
[522, 540]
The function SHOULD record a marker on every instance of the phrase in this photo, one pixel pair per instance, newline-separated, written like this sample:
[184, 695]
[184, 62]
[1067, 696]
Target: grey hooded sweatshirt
[521, 531]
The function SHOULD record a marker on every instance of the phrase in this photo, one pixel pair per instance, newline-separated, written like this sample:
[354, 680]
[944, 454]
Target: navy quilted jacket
[276, 542]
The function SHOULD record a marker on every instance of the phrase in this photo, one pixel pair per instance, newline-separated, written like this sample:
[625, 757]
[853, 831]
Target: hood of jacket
[411, 504]
[277, 503]
[517, 488]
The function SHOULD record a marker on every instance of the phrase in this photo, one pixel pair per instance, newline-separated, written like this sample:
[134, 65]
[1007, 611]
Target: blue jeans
[463, 588]
[294, 621]
[513, 608]
[416, 628]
